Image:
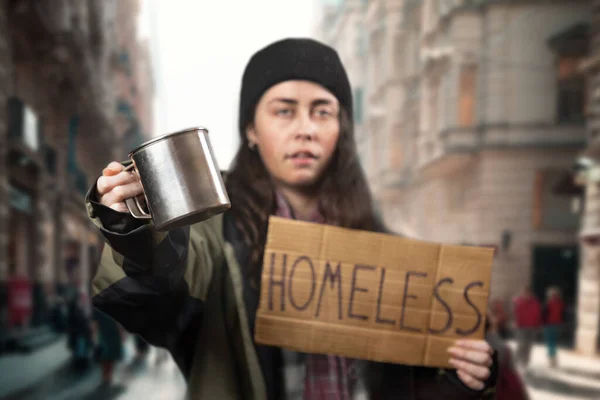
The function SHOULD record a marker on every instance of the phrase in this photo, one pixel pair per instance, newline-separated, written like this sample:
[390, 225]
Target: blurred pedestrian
[553, 319]
[196, 290]
[79, 331]
[510, 385]
[528, 320]
[109, 344]
[141, 348]
[500, 317]
[59, 313]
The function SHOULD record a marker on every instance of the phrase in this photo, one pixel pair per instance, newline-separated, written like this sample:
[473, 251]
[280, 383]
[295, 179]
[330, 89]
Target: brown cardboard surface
[371, 296]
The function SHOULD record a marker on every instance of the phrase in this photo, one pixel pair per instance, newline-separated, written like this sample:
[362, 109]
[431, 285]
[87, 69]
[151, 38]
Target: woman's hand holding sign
[473, 362]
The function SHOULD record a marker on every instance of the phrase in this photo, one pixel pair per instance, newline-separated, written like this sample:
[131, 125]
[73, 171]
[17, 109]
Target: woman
[553, 318]
[195, 291]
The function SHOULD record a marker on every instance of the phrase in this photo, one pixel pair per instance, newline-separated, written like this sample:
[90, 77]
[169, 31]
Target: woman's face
[295, 129]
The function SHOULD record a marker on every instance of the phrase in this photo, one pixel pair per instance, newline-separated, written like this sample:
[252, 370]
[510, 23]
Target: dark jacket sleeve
[141, 279]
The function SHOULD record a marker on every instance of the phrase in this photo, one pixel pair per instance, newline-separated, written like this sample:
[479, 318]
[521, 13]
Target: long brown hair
[344, 196]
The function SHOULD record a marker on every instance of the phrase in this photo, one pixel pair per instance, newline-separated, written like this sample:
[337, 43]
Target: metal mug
[180, 178]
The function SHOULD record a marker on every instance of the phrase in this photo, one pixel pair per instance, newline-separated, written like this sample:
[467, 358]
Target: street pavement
[20, 371]
[48, 375]
[577, 377]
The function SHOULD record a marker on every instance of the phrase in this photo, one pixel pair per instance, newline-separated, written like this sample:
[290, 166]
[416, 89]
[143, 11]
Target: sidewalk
[153, 382]
[576, 378]
[48, 375]
[19, 371]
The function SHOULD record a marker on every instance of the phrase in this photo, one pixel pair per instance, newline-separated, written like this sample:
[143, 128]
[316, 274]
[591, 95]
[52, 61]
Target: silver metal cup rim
[166, 136]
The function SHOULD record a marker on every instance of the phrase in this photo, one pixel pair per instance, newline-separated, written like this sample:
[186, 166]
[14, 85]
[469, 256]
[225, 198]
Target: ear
[251, 134]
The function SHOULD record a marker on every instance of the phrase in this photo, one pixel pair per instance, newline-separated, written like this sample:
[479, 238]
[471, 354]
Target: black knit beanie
[292, 59]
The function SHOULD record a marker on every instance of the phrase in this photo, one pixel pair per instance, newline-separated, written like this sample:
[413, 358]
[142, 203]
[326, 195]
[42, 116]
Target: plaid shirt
[317, 376]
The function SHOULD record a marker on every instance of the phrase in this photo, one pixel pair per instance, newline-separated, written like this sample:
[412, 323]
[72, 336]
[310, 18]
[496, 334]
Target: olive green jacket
[158, 286]
[183, 290]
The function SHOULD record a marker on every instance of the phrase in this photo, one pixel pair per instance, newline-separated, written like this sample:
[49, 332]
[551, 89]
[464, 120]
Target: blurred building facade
[473, 116]
[134, 83]
[68, 73]
[342, 25]
[588, 338]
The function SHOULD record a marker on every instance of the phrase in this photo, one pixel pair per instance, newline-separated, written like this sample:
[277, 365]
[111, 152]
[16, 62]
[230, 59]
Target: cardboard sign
[369, 296]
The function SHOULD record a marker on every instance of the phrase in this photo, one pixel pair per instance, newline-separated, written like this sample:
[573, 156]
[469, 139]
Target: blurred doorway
[558, 266]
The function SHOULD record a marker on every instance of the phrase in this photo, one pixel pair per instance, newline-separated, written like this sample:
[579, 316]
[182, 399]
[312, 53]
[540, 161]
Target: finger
[120, 207]
[110, 172]
[119, 193]
[474, 356]
[112, 168]
[470, 381]
[471, 344]
[474, 370]
[106, 184]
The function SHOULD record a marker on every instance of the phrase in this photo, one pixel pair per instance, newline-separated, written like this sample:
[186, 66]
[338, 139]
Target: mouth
[303, 155]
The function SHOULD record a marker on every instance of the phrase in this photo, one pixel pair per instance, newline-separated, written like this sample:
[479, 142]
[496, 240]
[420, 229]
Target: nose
[307, 129]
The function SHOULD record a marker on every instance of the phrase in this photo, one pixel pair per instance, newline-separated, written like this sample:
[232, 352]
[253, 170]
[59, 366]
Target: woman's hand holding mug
[116, 185]
[173, 180]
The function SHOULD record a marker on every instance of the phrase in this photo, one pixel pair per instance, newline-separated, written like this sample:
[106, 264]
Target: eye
[283, 112]
[323, 113]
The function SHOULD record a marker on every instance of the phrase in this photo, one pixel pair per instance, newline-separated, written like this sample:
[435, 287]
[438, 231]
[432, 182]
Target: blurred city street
[48, 375]
[473, 126]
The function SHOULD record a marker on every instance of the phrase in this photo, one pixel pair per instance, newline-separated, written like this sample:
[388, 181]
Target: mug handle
[133, 204]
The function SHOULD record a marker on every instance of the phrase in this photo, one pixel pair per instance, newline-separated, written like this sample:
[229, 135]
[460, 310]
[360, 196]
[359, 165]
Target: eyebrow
[316, 102]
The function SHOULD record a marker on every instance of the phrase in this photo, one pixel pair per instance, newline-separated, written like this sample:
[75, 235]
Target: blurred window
[570, 47]
[552, 210]
[570, 90]
[467, 93]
